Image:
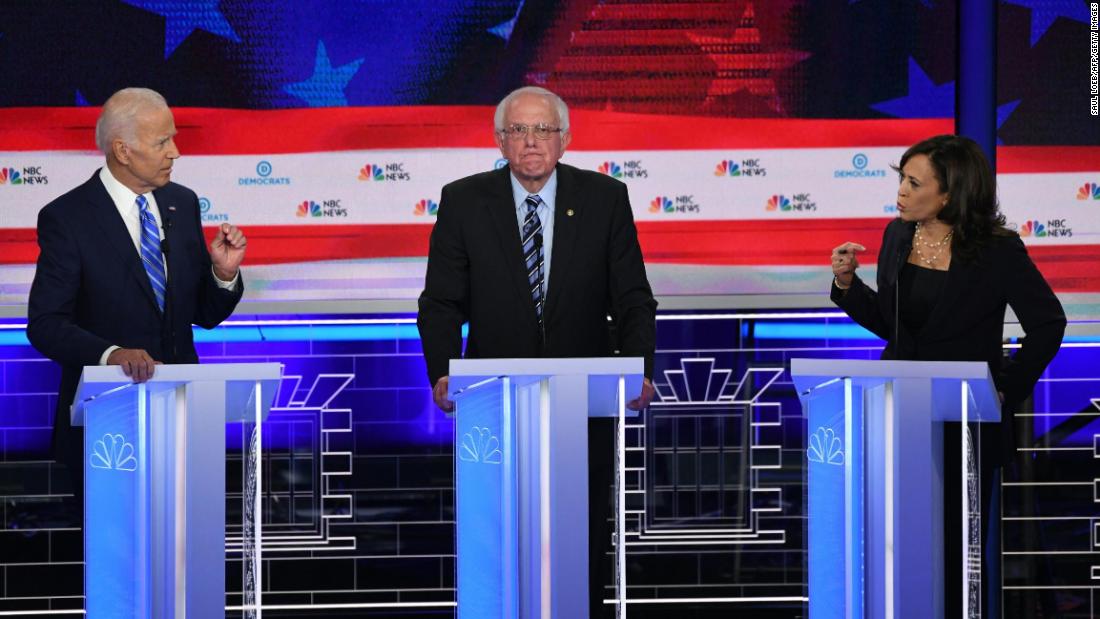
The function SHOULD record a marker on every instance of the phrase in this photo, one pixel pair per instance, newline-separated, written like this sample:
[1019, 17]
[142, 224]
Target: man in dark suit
[535, 257]
[123, 269]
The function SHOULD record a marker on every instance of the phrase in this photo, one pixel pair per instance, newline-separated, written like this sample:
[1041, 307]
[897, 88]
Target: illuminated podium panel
[876, 474]
[154, 487]
[521, 481]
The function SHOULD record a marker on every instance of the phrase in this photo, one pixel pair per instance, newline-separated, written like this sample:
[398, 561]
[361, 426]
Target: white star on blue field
[325, 88]
[927, 100]
[183, 18]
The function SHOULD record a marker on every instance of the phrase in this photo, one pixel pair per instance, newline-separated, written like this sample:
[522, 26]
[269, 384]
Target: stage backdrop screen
[753, 137]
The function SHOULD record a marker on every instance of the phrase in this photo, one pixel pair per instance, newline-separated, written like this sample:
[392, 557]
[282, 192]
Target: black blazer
[91, 291]
[967, 323]
[476, 274]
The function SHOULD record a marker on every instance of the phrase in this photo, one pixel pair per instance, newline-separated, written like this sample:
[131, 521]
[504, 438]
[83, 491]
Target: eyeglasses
[519, 132]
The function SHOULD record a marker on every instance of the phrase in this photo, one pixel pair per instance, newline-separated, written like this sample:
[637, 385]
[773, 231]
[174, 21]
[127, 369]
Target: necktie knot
[533, 202]
[142, 203]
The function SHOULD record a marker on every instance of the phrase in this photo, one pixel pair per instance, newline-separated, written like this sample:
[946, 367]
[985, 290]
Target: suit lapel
[167, 210]
[567, 218]
[114, 230]
[502, 210]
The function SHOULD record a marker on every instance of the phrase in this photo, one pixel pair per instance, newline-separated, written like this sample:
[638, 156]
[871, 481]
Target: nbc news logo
[387, 172]
[30, 175]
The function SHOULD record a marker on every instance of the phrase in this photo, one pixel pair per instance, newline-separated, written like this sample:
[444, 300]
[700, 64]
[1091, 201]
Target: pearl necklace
[935, 247]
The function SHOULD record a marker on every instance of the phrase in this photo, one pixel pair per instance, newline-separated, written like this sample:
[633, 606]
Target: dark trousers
[601, 465]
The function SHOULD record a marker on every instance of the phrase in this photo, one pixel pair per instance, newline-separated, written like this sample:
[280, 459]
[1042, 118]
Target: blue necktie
[532, 251]
[150, 251]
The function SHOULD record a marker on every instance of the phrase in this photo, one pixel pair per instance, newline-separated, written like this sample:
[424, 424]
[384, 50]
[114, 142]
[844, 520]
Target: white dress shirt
[126, 202]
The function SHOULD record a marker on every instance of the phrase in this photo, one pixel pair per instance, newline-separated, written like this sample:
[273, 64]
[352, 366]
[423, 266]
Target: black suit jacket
[967, 322]
[476, 274]
[91, 291]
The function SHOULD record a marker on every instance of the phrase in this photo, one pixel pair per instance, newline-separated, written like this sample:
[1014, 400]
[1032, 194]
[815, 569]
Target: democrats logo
[425, 207]
[678, 204]
[1089, 191]
[500, 163]
[385, 172]
[327, 208]
[860, 169]
[628, 169]
[205, 212]
[1052, 228]
[28, 175]
[263, 176]
[797, 202]
[745, 167]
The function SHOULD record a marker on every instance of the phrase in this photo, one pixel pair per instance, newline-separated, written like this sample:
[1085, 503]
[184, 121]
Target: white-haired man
[123, 270]
[535, 257]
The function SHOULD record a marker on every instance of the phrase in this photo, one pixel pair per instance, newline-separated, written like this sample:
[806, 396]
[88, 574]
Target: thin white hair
[119, 112]
[555, 101]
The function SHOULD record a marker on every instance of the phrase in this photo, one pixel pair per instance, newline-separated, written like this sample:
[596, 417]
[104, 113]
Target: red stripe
[1068, 268]
[211, 131]
[1035, 159]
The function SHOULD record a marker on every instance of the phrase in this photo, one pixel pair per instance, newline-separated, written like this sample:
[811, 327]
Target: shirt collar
[122, 196]
[548, 192]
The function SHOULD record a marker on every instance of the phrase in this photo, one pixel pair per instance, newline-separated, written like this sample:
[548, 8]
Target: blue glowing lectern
[154, 487]
[521, 478]
[875, 471]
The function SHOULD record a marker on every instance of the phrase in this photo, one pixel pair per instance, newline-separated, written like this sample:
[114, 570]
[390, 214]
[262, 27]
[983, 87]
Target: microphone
[166, 225]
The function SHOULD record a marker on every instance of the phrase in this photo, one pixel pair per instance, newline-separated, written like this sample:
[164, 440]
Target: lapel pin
[569, 212]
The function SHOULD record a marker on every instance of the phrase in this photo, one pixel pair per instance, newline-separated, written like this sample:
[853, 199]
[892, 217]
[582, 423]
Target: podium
[521, 481]
[154, 489]
[876, 477]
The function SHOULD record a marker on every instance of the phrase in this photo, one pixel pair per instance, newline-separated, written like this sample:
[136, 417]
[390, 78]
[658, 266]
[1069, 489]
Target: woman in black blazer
[946, 271]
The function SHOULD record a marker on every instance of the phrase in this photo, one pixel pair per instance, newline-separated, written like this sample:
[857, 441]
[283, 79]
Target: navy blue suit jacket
[91, 291]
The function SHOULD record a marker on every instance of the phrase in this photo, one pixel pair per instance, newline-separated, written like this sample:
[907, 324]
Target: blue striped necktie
[532, 251]
[150, 251]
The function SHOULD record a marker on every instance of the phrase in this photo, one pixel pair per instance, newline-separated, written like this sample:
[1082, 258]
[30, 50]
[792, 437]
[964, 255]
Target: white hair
[117, 118]
[555, 101]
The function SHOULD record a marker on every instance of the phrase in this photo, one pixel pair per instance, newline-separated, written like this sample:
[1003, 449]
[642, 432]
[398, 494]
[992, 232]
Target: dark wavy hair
[965, 175]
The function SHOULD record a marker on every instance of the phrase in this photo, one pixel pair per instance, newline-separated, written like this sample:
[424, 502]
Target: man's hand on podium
[643, 400]
[439, 394]
[135, 362]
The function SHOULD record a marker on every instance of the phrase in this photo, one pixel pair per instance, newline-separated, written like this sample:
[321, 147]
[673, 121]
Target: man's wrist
[836, 282]
[224, 276]
[107, 354]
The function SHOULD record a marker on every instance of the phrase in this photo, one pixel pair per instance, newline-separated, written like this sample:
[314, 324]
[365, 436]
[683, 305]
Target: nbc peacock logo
[661, 204]
[10, 176]
[611, 169]
[1034, 229]
[371, 172]
[309, 208]
[425, 207]
[1089, 191]
[728, 168]
[778, 202]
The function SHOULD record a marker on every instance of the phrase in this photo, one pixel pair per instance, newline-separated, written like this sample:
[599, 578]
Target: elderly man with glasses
[535, 257]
